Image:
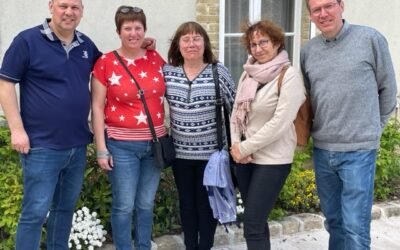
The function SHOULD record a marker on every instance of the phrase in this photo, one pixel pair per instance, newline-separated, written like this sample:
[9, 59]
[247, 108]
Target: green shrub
[166, 210]
[96, 190]
[10, 190]
[387, 177]
[299, 193]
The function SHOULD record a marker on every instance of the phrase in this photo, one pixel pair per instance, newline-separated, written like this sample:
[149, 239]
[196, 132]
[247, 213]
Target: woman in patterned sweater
[191, 96]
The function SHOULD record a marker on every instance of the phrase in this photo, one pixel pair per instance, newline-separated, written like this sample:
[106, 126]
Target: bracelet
[103, 154]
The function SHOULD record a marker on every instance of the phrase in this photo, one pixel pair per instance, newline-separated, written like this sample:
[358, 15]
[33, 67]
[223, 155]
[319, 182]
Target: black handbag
[163, 147]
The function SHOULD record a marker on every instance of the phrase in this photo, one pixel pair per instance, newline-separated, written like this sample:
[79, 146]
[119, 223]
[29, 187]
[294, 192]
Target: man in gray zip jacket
[349, 75]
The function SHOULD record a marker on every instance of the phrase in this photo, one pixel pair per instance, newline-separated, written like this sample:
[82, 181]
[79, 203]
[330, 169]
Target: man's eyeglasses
[127, 9]
[262, 44]
[329, 7]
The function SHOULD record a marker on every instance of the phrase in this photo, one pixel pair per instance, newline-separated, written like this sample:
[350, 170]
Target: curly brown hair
[263, 27]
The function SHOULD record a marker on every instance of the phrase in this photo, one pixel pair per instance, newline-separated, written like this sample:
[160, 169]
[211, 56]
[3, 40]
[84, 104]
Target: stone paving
[291, 225]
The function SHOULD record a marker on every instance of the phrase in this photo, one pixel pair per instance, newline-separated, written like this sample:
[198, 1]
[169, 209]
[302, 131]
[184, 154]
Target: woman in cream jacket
[262, 129]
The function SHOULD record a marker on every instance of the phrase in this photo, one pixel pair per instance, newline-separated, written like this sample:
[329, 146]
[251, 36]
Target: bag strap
[218, 109]
[141, 94]
[280, 79]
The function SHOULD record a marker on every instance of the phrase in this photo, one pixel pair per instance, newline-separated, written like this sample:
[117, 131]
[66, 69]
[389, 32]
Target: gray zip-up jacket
[352, 86]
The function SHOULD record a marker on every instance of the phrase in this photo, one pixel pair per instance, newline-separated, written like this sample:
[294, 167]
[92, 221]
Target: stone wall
[207, 14]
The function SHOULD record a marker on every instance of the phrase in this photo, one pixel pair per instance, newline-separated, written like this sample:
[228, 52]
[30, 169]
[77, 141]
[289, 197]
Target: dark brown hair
[174, 55]
[263, 27]
[133, 14]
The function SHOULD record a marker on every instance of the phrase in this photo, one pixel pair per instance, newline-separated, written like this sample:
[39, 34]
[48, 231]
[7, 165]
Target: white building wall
[383, 16]
[163, 17]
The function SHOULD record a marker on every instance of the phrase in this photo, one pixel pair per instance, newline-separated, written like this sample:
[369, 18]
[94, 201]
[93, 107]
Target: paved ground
[300, 232]
[385, 235]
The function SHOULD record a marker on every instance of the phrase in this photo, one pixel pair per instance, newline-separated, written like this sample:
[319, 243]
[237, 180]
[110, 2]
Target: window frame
[255, 15]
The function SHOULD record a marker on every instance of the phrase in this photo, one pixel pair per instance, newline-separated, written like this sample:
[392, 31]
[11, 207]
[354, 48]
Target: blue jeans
[345, 184]
[134, 182]
[52, 180]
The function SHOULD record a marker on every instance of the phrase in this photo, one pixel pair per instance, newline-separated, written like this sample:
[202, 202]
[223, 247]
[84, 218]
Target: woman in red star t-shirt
[121, 128]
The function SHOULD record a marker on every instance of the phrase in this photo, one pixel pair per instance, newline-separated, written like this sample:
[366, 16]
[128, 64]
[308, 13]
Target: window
[285, 13]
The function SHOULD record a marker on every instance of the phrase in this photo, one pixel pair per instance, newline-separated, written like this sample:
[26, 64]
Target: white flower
[87, 231]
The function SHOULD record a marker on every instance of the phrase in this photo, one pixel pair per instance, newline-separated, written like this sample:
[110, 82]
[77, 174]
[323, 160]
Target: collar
[46, 31]
[340, 35]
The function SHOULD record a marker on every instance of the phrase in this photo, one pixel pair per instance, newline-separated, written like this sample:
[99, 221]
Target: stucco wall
[383, 16]
[163, 17]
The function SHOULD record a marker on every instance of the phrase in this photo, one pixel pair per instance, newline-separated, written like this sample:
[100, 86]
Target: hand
[105, 164]
[20, 141]
[246, 159]
[149, 43]
[236, 155]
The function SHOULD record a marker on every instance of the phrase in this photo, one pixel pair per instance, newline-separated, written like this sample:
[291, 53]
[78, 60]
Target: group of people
[347, 73]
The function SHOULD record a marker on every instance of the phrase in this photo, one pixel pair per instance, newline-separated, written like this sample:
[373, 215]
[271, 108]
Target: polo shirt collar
[340, 35]
[46, 31]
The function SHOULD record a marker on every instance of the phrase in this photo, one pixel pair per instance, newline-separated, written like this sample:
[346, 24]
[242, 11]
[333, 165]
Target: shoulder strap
[280, 79]
[218, 110]
[218, 105]
[141, 94]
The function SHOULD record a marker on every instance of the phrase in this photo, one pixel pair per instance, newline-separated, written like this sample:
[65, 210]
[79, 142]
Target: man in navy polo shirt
[52, 63]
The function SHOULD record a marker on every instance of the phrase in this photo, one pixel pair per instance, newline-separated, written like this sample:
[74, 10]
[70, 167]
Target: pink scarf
[254, 75]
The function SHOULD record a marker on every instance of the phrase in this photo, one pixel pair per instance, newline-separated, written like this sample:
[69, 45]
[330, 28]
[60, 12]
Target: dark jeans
[197, 218]
[259, 187]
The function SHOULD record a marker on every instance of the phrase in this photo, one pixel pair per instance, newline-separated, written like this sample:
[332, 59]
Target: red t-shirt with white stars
[125, 117]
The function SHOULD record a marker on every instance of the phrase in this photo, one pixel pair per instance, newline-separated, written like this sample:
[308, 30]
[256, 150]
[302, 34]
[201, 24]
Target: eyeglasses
[329, 7]
[194, 39]
[127, 9]
[262, 44]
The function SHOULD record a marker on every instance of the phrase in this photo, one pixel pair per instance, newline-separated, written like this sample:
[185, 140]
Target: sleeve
[227, 86]
[159, 58]
[15, 61]
[304, 73]
[99, 69]
[385, 77]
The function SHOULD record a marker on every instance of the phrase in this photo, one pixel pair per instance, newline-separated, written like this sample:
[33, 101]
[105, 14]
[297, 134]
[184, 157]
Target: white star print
[122, 118]
[103, 57]
[158, 115]
[145, 57]
[114, 79]
[113, 108]
[154, 91]
[143, 74]
[130, 61]
[160, 71]
[115, 62]
[141, 118]
[156, 79]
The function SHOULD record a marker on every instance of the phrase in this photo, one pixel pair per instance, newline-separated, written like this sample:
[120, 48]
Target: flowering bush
[86, 231]
[240, 206]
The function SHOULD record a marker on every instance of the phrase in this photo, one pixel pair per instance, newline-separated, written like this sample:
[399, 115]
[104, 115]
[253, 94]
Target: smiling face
[191, 47]
[132, 34]
[262, 48]
[327, 16]
[66, 15]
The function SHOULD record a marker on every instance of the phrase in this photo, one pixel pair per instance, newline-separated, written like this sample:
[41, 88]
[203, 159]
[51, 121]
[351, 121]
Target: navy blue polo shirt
[54, 86]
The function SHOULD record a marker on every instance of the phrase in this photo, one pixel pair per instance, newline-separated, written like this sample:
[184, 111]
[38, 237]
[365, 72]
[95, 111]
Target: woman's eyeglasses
[262, 44]
[127, 9]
